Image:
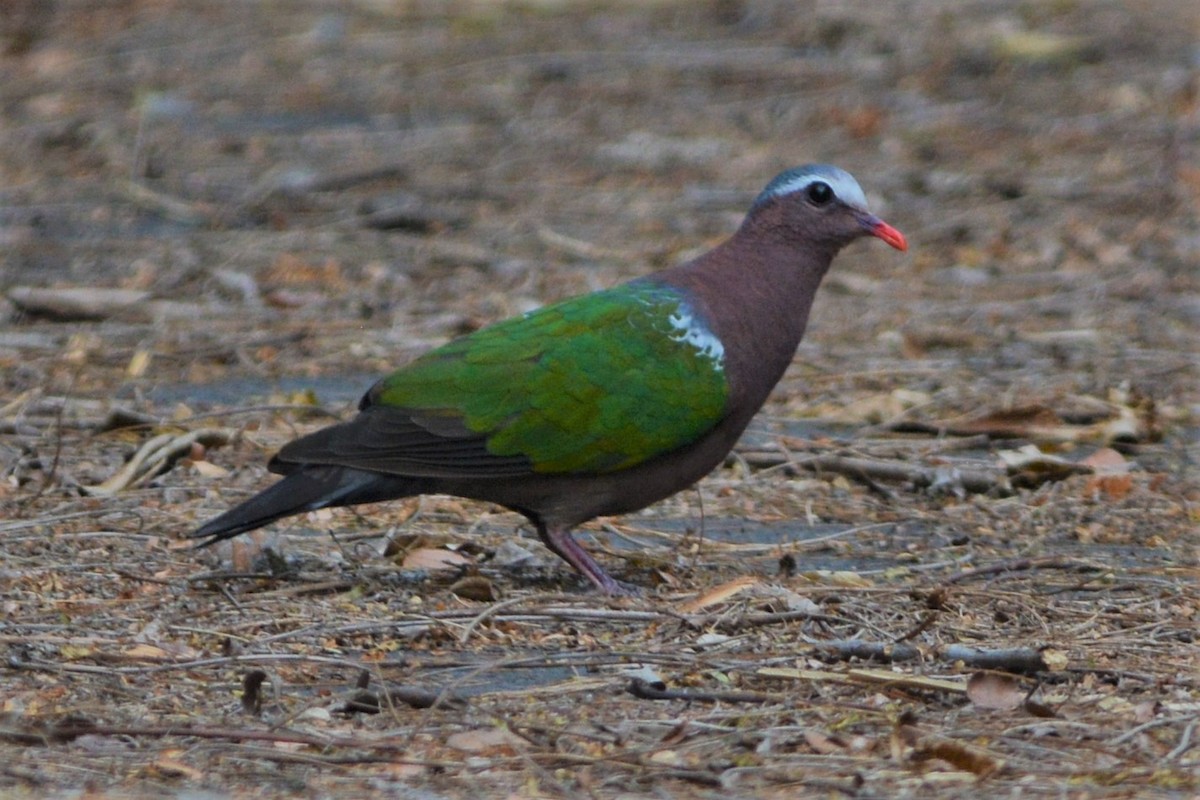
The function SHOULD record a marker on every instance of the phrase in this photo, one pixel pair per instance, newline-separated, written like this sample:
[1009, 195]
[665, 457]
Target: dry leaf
[74, 652]
[210, 470]
[290, 269]
[145, 651]
[168, 765]
[247, 549]
[1145, 711]
[398, 544]
[843, 578]
[968, 759]
[711, 639]
[482, 739]
[879, 408]
[433, 559]
[820, 743]
[1036, 709]
[401, 772]
[1024, 422]
[1128, 419]
[1107, 461]
[1054, 659]
[1030, 457]
[1113, 488]
[1040, 47]
[667, 758]
[796, 602]
[1029, 466]
[475, 587]
[315, 714]
[902, 739]
[78, 302]
[139, 364]
[679, 732]
[1112, 480]
[995, 690]
[290, 298]
[718, 595]
[1114, 704]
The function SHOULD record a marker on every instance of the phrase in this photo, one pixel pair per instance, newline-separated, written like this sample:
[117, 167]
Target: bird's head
[820, 202]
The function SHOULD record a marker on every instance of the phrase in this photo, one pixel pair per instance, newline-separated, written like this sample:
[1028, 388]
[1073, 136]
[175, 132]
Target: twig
[891, 652]
[49, 474]
[925, 624]
[773, 618]
[165, 205]
[25, 775]
[496, 608]
[74, 727]
[646, 690]
[1017, 659]
[340, 181]
[275, 408]
[288, 757]
[15, 662]
[867, 469]
[1023, 564]
[313, 587]
[628, 762]
[369, 702]
[1145, 726]
[144, 578]
[1185, 741]
[55, 520]
[155, 456]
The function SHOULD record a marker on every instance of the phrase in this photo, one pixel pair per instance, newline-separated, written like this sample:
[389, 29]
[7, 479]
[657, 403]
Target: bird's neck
[755, 291]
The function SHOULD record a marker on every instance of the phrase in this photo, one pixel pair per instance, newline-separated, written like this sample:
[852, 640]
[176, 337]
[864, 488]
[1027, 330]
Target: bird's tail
[306, 489]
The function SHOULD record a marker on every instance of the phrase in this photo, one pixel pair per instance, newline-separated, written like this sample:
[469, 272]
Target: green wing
[596, 383]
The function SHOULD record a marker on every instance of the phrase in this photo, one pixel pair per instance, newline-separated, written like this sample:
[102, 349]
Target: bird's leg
[562, 545]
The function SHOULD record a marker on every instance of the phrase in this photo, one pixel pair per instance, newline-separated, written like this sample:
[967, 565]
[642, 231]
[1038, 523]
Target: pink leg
[560, 542]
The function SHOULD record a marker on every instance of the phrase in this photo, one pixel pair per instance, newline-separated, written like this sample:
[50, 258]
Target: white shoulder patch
[687, 328]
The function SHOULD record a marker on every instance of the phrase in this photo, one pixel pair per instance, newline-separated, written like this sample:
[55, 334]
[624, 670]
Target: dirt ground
[958, 551]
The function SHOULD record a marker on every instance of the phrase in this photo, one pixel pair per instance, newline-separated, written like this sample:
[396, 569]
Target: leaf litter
[958, 552]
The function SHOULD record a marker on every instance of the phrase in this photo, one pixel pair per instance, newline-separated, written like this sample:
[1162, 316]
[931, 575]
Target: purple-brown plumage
[733, 318]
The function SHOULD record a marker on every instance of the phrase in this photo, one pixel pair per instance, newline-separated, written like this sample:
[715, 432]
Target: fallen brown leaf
[1107, 461]
[483, 739]
[823, 744]
[958, 755]
[431, 558]
[995, 690]
[718, 594]
[1113, 488]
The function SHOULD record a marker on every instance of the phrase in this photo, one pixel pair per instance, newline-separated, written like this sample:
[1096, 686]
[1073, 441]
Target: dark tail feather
[307, 489]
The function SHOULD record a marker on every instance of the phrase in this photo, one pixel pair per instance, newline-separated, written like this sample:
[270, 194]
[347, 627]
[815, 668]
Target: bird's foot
[569, 550]
[615, 588]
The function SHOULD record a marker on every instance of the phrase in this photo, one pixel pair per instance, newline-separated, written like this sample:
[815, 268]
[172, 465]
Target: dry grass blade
[156, 456]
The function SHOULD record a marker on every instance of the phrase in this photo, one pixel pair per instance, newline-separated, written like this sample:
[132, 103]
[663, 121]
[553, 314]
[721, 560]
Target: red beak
[877, 227]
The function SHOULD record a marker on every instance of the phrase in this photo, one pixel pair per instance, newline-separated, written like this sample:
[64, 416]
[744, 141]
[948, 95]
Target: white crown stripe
[842, 183]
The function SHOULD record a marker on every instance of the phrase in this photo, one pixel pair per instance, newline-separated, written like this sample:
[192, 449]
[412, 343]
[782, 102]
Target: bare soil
[957, 553]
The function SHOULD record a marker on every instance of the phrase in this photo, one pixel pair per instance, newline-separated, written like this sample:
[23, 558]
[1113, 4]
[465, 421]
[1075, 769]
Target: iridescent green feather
[592, 384]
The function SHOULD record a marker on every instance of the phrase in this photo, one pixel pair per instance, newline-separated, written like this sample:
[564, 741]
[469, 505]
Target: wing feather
[593, 384]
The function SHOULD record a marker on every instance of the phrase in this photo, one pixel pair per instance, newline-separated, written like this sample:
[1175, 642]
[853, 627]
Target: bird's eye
[820, 193]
